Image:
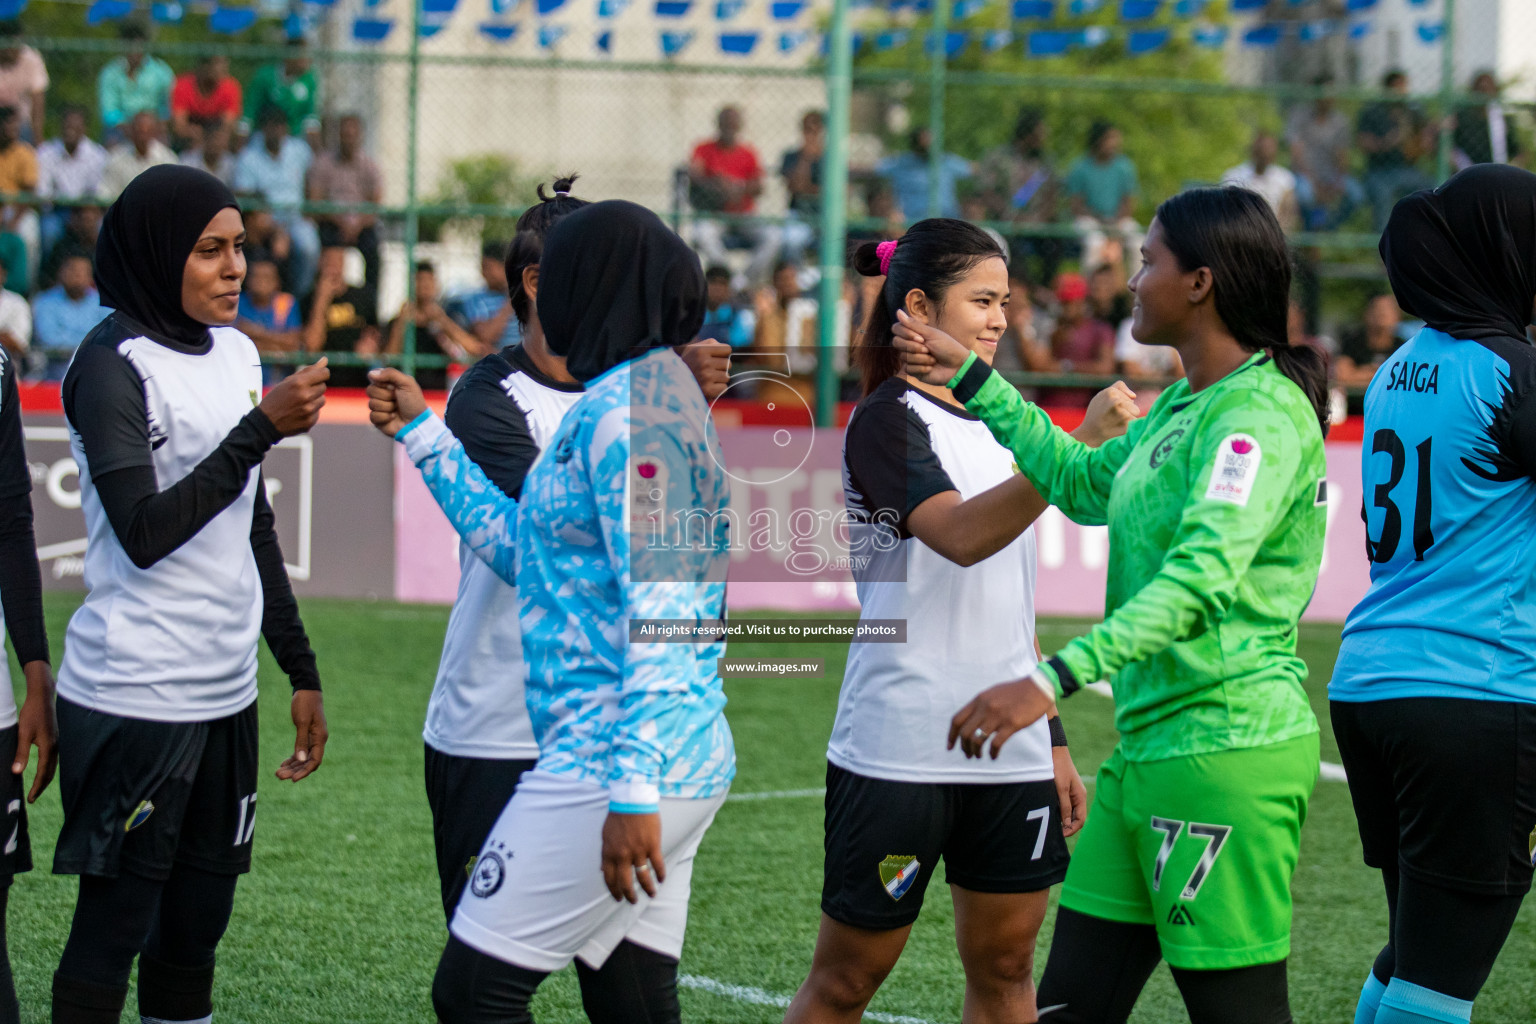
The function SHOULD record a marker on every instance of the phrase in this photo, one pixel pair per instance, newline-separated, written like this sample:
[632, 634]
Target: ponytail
[931, 257]
[1233, 231]
[527, 246]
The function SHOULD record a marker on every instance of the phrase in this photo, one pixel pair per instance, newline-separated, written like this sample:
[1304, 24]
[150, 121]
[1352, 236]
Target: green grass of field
[340, 920]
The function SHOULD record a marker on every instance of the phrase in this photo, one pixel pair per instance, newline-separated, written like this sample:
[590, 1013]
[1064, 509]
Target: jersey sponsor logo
[1417, 377]
[1180, 914]
[897, 874]
[139, 816]
[488, 872]
[647, 494]
[1165, 447]
[1235, 470]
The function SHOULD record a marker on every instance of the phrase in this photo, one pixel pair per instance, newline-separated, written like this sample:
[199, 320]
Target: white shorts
[537, 897]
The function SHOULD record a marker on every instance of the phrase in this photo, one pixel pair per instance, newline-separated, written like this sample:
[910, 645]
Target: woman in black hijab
[1434, 691]
[156, 694]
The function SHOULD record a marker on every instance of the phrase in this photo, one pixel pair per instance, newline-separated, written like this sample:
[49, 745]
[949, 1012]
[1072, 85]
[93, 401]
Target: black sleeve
[493, 431]
[280, 622]
[891, 461]
[104, 401]
[21, 583]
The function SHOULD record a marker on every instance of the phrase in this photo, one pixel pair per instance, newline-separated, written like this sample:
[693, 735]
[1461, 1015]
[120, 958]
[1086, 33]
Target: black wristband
[1069, 683]
[1058, 732]
[966, 387]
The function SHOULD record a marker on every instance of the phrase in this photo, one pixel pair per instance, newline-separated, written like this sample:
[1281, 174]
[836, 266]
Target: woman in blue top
[1434, 691]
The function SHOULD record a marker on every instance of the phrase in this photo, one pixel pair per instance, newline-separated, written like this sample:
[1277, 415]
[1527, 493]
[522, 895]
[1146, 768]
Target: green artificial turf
[340, 920]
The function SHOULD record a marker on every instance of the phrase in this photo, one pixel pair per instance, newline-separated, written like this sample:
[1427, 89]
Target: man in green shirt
[1216, 514]
[290, 86]
[1102, 191]
[133, 82]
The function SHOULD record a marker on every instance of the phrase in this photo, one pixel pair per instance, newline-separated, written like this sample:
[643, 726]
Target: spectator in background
[910, 178]
[78, 239]
[15, 322]
[1019, 348]
[1081, 343]
[487, 312]
[436, 333]
[18, 173]
[786, 331]
[1109, 299]
[63, 315]
[133, 82]
[725, 177]
[724, 320]
[1018, 184]
[272, 167]
[1484, 134]
[204, 99]
[1363, 349]
[213, 154]
[128, 160]
[290, 86]
[801, 171]
[23, 81]
[68, 167]
[348, 175]
[1393, 135]
[1102, 190]
[1262, 175]
[1319, 138]
[1300, 332]
[341, 318]
[269, 316]
[266, 239]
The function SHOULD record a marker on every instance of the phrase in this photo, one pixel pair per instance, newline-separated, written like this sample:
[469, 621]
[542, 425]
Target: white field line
[1330, 772]
[759, 997]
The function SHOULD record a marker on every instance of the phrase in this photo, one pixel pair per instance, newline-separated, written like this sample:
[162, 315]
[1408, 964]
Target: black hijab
[1462, 257]
[615, 282]
[145, 239]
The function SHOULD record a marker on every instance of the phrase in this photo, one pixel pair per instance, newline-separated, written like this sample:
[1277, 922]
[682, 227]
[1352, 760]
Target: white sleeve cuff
[424, 437]
[634, 796]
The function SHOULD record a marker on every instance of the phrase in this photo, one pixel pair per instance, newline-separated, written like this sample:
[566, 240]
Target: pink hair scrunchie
[885, 250]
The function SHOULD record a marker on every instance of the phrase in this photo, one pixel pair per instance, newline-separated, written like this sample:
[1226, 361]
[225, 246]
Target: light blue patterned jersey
[623, 517]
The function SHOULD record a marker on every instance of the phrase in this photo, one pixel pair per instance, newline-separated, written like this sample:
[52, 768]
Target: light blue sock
[1370, 999]
[1407, 1003]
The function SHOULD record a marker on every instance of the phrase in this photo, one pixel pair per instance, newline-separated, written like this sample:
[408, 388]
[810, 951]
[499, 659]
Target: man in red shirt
[204, 98]
[725, 177]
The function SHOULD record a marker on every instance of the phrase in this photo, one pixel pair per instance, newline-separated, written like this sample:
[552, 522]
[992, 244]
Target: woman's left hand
[998, 713]
[1073, 794]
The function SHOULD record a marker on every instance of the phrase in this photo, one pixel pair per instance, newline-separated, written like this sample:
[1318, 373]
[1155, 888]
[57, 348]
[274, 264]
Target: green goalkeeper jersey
[1215, 502]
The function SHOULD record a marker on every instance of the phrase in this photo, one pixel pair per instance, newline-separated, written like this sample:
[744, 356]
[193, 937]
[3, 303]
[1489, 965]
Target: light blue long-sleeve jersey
[623, 517]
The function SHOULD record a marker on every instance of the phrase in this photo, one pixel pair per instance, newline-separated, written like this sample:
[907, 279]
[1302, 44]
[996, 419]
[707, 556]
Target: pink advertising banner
[790, 548]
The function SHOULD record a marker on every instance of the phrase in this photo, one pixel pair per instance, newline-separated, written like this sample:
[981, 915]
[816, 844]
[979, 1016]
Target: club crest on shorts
[139, 816]
[1532, 847]
[897, 874]
[488, 871]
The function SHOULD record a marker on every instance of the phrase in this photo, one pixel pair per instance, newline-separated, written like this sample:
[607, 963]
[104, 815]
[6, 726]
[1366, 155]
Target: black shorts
[16, 854]
[467, 795]
[1444, 788]
[143, 795]
[884, 838]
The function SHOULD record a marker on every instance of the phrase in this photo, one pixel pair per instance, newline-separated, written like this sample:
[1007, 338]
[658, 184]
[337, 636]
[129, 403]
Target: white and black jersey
[182, 566]
[968, 628]
[504, 411]
[20, 582]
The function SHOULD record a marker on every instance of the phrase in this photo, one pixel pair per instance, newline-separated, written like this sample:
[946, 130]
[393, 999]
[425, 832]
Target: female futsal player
[157, 691]
[1215, 508]
[940, 539]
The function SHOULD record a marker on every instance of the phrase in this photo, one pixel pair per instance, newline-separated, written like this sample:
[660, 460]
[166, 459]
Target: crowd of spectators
[262, 137]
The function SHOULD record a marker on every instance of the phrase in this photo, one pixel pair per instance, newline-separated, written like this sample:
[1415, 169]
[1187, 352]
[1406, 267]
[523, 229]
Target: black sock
[635, 985]
[77, 1001]
[1242, 995]
[472, 987]
[169, 992]
[10, 1010]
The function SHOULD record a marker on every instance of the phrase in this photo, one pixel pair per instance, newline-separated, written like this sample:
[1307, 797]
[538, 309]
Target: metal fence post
[834, 210]
[938, 72]
[412, 216]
